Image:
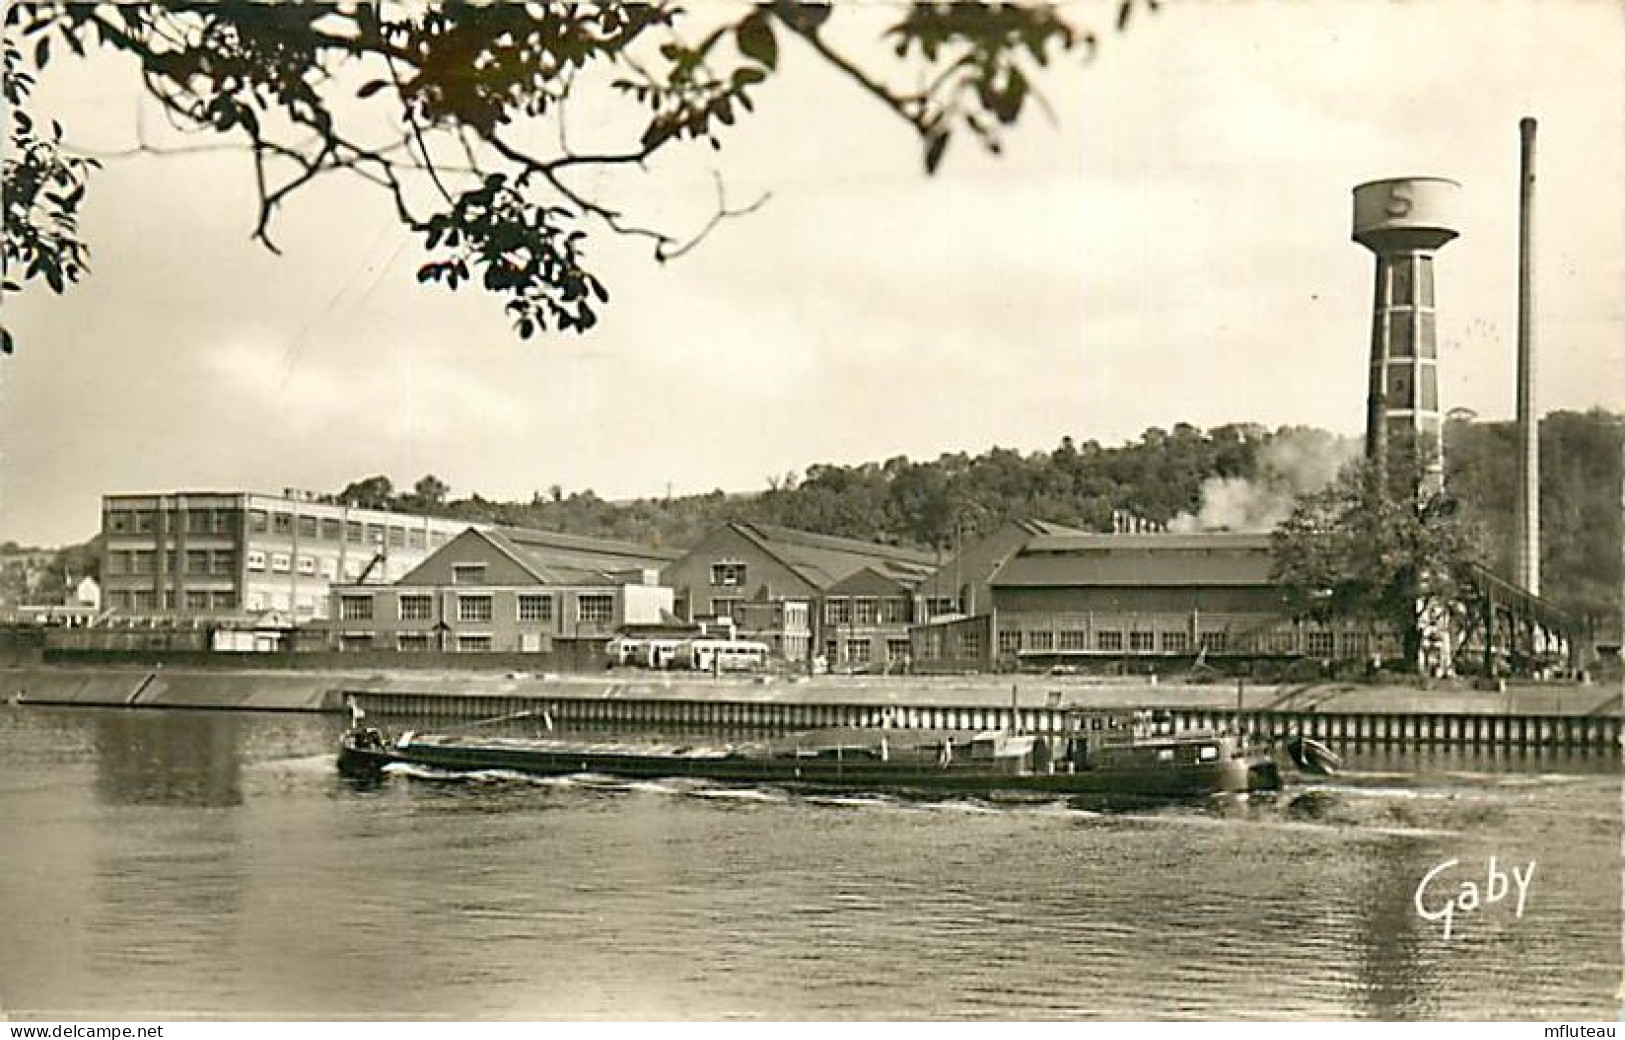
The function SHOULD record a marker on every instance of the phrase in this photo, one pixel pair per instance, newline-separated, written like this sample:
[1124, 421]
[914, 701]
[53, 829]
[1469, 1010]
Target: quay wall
[1551, 716]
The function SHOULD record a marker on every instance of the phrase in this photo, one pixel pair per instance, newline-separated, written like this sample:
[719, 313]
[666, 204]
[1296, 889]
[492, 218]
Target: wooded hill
[1239, 477]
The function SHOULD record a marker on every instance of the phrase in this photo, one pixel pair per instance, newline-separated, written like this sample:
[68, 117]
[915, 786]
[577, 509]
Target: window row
[139, 601]
[866, 610]
[192, 521]
[591, 608]
[861, 651]
[196, 561]
[1316, 643]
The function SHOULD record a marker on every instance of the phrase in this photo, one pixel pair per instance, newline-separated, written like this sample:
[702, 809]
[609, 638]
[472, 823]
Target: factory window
[1283, 641]
[1141, 642]
[355, 608]
[281, 562]
[533, 607]
[838, 611]
[727, 573]
[197, 561]
[1073, 639]
[142, 561]
[282, 523]
[224, 521]
[1217, 642]
[171, 561]
[223, 561]
[1424, 281]
[795, 616]
[412, 642]
[896, 652]
[397, 537]
[197, 521]
[468, 574]
[144, 601]
[355, 641]
[307, 565]
[970, 642]
[595, 608]
[118, 521]
[416, 606]
[196, 600]
[332, 529]
[1109, 640]
[117, 563]
[146, 521]
[894, 610]
[1319, 644]
[255, 560]
[865, 610]
[307, 527]
[473, 608]
[937, 606]
[1041, 640]
[1175, 642]
[415, 538]
[375, 534]
[857, 651]
[727, 608]
[352, 531]
[1009, 643]
[438, 538]
[225, 600]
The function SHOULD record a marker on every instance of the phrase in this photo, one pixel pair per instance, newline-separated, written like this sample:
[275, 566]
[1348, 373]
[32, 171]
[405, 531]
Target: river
[209, 864]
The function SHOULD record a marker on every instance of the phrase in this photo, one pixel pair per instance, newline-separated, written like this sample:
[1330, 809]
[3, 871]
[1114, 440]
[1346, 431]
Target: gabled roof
[559, 544]
[1139, 560]
[822, 560]
[548, 558]
[537, 563]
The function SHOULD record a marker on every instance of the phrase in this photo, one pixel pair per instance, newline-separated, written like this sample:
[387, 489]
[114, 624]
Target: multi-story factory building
[239, 554]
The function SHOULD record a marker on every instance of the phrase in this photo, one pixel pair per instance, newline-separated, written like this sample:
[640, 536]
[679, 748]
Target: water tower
[1404, 221]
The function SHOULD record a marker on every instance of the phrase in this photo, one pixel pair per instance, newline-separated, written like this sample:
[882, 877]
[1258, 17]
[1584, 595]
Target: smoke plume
[1294, 462]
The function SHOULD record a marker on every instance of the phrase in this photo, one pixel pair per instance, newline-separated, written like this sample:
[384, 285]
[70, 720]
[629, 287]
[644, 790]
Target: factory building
[1134, 601]
[808, 596]
[508, 590]
[237, 555]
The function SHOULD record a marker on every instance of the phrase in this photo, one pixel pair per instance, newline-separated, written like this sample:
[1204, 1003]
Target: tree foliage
[1380, 545]
[465, 86]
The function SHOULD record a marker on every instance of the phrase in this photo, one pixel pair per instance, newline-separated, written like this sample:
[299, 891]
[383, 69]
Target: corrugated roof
[822, 560]
[1143, 560]
[562, 559]
[533, 539]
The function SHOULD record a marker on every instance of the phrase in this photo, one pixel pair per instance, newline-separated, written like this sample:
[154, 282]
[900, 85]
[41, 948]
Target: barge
[1129, 755]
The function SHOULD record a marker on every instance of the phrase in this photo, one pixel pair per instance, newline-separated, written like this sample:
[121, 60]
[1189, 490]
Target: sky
[1169, 244]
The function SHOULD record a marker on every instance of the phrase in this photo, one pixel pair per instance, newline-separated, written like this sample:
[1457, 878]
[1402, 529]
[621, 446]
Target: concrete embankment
[1569, 715]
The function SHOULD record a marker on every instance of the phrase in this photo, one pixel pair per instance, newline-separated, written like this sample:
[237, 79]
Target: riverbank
[327, 691]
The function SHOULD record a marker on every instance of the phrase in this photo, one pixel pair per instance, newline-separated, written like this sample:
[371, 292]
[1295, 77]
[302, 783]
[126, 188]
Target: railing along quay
[1578, 732]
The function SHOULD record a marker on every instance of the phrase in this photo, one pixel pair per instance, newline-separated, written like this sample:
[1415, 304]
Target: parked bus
[721, 655]
[626, 651]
